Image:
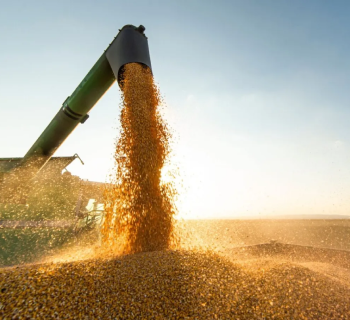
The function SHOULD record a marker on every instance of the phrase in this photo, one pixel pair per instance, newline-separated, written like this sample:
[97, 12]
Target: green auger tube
[130, 45]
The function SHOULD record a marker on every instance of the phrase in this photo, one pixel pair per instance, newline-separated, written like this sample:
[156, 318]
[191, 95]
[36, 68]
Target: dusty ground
[225, 234]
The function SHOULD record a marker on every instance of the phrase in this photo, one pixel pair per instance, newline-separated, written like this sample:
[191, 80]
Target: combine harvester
[18, 175]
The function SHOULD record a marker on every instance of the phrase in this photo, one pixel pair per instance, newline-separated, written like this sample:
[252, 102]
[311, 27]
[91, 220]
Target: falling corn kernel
[139, 208]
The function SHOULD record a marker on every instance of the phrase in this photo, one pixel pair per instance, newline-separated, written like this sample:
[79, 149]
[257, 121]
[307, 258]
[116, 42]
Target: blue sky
[257, 92]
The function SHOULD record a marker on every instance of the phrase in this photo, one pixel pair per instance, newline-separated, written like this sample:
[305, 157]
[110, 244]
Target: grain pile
[139, 209]
[161, 283]
[169, 285]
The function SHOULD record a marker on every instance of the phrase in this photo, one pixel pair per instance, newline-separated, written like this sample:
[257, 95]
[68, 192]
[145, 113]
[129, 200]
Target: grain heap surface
[139, 209]
[169, 285]
[163, 284]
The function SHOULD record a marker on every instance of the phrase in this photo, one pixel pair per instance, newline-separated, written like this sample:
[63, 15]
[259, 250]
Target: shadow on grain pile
[171, 285]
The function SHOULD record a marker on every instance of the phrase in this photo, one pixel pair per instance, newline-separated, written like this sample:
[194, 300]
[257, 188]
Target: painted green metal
[7, 164]
[130, 45]
[73, 111]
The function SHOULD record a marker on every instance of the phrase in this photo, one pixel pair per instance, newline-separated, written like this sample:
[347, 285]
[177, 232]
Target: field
[29, 245]
[26, 245]
[226, 234]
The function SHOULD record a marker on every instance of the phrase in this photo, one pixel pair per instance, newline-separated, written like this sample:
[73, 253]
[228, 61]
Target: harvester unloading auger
[129, 46]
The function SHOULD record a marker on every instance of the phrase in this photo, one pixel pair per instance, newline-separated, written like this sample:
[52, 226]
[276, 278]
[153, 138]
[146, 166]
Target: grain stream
[139, 208]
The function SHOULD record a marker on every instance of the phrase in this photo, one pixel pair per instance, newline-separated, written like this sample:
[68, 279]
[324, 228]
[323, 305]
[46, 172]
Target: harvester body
[130, 45]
